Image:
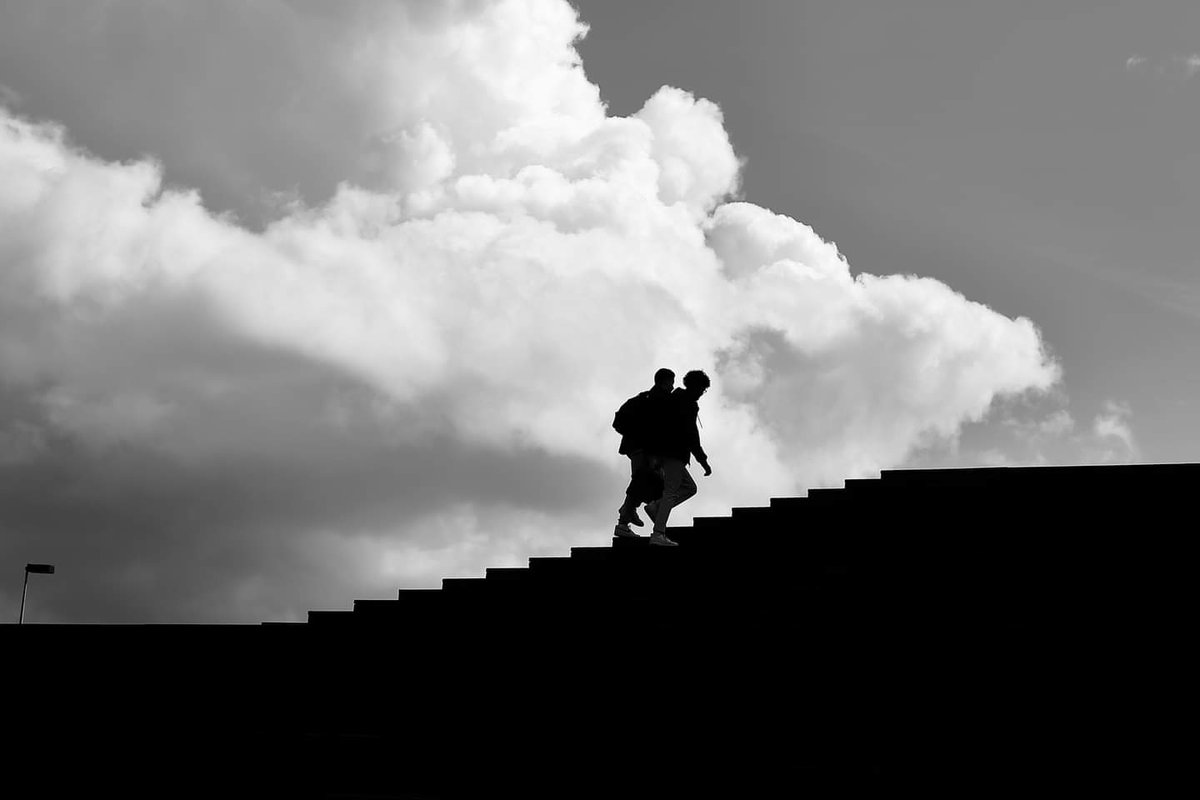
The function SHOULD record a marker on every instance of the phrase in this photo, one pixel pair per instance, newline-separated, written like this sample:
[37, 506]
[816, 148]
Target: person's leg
[687, 487]
[653, 486]
[678, 486]
[628, 510]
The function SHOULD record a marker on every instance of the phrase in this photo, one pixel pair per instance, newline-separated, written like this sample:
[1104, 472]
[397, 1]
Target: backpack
[628, 418]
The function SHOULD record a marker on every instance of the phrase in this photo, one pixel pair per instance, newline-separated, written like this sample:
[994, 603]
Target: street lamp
[40, 569]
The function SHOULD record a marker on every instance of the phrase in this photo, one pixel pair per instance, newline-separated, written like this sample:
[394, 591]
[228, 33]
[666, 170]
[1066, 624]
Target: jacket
[679, 437]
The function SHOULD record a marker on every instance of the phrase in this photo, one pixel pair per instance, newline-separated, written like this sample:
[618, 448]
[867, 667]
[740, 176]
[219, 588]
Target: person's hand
[707, 469]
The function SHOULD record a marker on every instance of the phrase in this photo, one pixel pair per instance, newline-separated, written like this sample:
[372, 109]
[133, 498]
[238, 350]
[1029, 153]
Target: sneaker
[624, 531]
[661, 538]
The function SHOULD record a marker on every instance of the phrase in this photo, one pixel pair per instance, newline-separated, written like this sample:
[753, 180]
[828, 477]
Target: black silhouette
[965, 631]
[675, 443]
[639, 420]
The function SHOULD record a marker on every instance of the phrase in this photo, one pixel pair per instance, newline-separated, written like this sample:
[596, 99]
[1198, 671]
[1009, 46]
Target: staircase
[949, 630]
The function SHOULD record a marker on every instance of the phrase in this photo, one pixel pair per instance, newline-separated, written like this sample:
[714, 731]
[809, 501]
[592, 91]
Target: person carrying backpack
[640, 421]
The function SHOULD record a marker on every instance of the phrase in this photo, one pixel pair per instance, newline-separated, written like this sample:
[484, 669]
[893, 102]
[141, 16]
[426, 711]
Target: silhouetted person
[638, 420]
[676, 442]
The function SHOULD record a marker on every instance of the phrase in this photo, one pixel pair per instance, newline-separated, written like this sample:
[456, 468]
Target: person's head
[664, 379]
[696, 383]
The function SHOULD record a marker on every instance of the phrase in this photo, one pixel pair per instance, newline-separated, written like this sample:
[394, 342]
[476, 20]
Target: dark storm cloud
[139, 536]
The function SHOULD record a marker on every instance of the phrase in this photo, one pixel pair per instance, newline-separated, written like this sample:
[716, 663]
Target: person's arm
[697, 450]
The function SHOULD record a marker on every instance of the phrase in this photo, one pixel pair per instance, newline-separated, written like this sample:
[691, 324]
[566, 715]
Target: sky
[306, 302]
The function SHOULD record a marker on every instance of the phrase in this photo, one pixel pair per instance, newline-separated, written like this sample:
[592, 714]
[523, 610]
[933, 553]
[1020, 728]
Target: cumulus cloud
[408, 368]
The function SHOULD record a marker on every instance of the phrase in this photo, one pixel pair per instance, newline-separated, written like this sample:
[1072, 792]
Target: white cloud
[499, 266]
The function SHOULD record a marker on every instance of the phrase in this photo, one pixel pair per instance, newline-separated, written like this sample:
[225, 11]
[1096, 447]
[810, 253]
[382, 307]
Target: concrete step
[507, 573]
[466, 584]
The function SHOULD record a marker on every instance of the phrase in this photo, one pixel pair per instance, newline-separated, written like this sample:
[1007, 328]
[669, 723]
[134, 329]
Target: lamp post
[40, 569]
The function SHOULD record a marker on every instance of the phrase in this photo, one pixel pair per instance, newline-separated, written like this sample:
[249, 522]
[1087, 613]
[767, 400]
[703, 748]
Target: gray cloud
[9, 97]
[1173, 67]
[1112, 425]
[141, 536]
[1035, 429]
